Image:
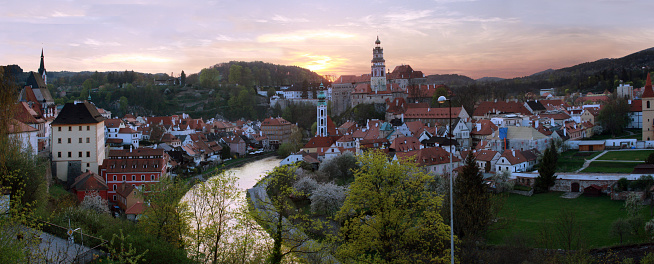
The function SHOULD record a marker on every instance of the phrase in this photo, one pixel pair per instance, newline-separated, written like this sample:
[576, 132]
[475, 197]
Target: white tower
[322, 113]
[378, 68]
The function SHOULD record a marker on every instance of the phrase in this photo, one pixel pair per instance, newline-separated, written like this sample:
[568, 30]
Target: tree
[614, 115]
[166, 217]
[620, 228]
[123, 104]
[210, 207]
[650, 159]
[472, 202]
[94, 202]
[327, 199]
[182, 79]
[390, 215]
[547, 169]
[271, 92]
[275, 211]
[341, 168]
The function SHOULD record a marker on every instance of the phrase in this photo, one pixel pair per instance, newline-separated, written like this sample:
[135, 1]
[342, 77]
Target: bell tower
[322, 113]
[378, 68]
[42, 71]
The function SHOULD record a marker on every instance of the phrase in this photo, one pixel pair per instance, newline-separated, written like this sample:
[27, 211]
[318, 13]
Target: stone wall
[566, 185]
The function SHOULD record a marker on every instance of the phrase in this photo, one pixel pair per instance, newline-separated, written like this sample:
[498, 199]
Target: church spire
[42, 70]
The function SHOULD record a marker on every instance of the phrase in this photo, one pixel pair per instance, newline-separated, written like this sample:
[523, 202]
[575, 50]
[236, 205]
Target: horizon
[497, 38]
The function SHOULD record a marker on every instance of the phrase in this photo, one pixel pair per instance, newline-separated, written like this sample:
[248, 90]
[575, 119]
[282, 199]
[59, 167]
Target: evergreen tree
[547, 169]
[182, 79]
[472, 204]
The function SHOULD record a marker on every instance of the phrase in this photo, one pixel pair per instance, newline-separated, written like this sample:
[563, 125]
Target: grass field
[637, 155]
[572, 160]
[611, 167]
[529, 215]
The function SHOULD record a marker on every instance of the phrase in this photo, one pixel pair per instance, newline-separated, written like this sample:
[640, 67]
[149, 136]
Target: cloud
[131, 58]
[93, 42]
[283, 19]
[317, 63]
[303, 35]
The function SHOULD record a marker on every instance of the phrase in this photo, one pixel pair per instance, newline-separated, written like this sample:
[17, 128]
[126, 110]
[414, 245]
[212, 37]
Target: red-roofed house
[278, 130]
[129, 202]
[316, 143]
[25, 134]
[405, 144]
[486, 159]
[434, 160]
[513, 161]
[486, 109]
[136, 167]
[236, 144]
[432, 116]
[89, 183]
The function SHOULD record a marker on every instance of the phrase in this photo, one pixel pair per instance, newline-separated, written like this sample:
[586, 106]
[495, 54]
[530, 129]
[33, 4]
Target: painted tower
[42, 71]
[322, 113]
[648, 110]
[378, 68]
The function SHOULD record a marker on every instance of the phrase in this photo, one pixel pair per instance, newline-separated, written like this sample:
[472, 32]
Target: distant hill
[489, 79]
[449, 79]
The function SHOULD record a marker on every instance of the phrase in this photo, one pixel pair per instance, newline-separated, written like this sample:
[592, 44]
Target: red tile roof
[556, 104]
[274, 121]
[428, 156]
[514, 156]
[486, 128]
[500, 107]
[404, 144]
[19, 127]
[648, 92]
[636, 105]
[320, 142]
[136, 209]
[89, 181]
[432, 113]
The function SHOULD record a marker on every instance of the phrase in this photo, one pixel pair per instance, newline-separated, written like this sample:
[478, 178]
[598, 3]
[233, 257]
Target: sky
[498, 38]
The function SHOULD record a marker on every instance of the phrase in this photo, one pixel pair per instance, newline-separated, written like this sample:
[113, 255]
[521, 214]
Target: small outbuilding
[592, 145]
[593, 190]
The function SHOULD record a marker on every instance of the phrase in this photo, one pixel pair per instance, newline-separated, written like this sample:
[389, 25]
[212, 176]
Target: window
[88, 165]
[133, 177]
[114, 187]
[59, 154]
[59, 140]
[152, 177]
[88, 128]
[69, 141]
[124, 177]
[59, 129]
[88, 154]
[114, 177]
[114, 198]
[88, 140]
[647, 104]
[80, 154]
[70, 128]
[70, 154]
[80, 140]
[142, 177]
[80, 128]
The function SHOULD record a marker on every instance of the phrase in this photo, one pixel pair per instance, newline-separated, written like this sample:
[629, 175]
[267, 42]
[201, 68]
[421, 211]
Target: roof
[486, 127]
[403, 144]
[320, 142]
[428, 156]
[554, 104]
[529, 133]
[90, 181]
[514, 156]
[643, 169]
[136, 209]
[78, 113]
[112, 123]
[481, 155]
[25, 114]
[636, 106]
[126, 130]
[432, 113]
[134, 165]
[648, 92]
[124, 189]
[500, 107]
[556, 116]
[275, 122]
[138, 152]
[20, 127]
[536, 106]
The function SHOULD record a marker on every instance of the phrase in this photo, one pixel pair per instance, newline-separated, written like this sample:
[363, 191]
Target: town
[93, 154]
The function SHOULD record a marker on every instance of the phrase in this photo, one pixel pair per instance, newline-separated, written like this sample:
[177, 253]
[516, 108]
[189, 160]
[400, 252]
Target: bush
[623, 184]
[648, 259]
[340, 168]
[94, 202]
[305, 185]
[327, 199]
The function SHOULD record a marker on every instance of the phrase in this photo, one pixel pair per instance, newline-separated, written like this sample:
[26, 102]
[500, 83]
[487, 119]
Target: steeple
[648, 92]
[378, 68]
[42, 70]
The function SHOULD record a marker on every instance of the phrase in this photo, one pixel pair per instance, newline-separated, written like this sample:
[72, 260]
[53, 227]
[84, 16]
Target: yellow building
[77, 140]
[648, 110]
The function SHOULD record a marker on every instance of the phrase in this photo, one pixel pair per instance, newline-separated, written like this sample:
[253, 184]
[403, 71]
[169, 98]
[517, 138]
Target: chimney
[478, 125]
[537, 123]
[402, 117]
[513, 152]
[130, 148]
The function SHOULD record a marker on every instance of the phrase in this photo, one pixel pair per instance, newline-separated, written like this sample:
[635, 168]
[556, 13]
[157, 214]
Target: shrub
[305, 185]
[94, 202]
[623, 184]
[648, 259]
[327, 199]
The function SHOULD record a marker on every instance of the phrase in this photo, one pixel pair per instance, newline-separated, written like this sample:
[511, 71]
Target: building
[77, 140]
[278, 130]
[625, 91]
[378, 68]
[89, 183]
[648, 110]
[321, 119]
[635, 114]
[135, 167]
[42, 71]
[26, 135]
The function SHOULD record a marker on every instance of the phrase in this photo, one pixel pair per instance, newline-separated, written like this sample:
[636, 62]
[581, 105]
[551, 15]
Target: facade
[278, 130]
[89, 183]
[26, 135]
[77, 140]
[635, 114]
[135, 167]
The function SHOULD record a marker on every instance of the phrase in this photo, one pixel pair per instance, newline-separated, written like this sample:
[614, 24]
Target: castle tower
[648, 110]
[42, 71]
[378, 68]
[322, 113]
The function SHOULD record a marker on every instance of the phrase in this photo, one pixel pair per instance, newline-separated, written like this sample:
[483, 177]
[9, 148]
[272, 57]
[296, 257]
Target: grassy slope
[610, 167]
[595, 215]
[635, 155]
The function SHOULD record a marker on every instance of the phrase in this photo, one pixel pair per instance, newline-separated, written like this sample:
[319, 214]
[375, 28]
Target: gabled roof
[432, 113]
[320, 142]
[89, 181]
[529, 133]
[648, 92]
[19, 127]
[136, 209]
[500, 107]
[124, 189]
[636, 105]
[126, 130]
[486, 127]
[428, 156]
[556, 116]
[25, 114]
[396, 106]
[481, 155]
[554, 104]
[112, 123]
[514, 156]
[536, 106]
[78, 113]
[137, 152]
[414, 126]
[404, 144]
[275, 122]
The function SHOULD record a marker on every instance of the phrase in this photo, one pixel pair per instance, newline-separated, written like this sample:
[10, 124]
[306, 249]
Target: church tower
[322, 113]
[648, 110]
[378, 68]
[42, 71]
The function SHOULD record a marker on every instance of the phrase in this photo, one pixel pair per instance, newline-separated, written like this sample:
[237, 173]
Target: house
[485, 159]
[136, 167]
[26, 135]
[433, 160]
[278, 130]
[129, 201]
[316, 143]
[486, 109]
[519, 138]
[635, 114]
[236, 145]
[433, 116]
[27, 115]
[89, 183]
[591, 145]
[589, 115]
[481, 129]
[513, 161]
[535, 107]
[78, 141]
[405, 144]
[311, 158]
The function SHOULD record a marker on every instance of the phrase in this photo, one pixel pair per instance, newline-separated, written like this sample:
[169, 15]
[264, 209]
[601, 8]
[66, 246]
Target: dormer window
[134, 166]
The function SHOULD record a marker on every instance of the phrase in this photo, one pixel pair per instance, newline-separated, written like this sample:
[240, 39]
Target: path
[587, 162]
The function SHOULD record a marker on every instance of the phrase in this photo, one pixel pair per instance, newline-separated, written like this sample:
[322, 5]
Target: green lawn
[529, 215]
[611, 167]
[572, 160]
[638, 155]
